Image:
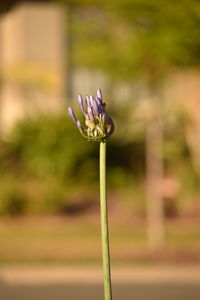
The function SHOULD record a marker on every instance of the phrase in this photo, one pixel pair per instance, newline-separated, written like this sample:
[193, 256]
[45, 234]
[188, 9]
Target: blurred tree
[136, 38]
[139, 39]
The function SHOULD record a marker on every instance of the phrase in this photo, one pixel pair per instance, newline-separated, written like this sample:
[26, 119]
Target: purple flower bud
[80, 100]
[100, 106]
[94, 106]
[87, 98]
[72, 115]
[78, 123]
[98, 125]
[90, 113]
[91, 100]
[99, 95]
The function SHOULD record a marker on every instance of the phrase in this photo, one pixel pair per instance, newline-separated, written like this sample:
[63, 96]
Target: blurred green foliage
[46, 164]
[47, 147]
[135, 38]
[42, 158]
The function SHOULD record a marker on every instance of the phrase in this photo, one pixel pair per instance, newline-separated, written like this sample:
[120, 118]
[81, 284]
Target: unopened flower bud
[99, 125]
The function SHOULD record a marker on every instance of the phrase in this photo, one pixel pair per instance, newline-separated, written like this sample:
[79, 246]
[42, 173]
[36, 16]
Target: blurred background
[144, 55]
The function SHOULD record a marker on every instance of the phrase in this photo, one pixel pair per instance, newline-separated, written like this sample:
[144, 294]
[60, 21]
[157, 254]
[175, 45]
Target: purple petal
[99, 95]
[72, 115]
[80, 101]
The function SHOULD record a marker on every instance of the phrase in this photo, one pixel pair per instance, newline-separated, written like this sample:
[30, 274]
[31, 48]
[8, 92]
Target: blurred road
[73, 283]
[95, 292]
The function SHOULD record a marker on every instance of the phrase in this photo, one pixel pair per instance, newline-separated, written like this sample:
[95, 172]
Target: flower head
[98, 124]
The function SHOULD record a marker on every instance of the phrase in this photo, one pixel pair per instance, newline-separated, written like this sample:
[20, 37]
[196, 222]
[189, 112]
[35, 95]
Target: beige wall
[31, 61]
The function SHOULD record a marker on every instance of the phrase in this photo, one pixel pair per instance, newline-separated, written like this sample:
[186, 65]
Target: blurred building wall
[32, 63]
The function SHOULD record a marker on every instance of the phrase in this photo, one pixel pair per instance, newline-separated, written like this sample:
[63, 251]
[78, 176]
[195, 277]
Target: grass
[53, 240]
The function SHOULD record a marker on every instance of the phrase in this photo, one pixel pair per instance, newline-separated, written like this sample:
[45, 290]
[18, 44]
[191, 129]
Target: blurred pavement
[73, 283]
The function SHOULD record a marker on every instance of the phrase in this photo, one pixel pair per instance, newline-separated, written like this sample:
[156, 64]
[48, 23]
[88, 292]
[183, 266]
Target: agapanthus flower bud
[80, 100]
[99, 125]
[99, 95]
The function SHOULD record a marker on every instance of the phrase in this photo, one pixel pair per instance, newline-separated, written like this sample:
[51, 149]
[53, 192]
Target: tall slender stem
[104, 224]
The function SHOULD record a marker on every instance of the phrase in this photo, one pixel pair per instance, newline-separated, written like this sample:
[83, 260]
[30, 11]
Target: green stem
[104, 224]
